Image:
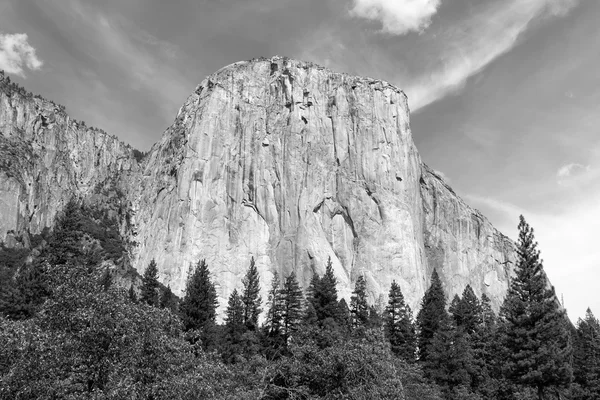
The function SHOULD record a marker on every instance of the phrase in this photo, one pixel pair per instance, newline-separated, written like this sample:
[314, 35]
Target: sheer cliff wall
[276, 159]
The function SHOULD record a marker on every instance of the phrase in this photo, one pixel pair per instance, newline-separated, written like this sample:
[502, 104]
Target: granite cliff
[278, 159]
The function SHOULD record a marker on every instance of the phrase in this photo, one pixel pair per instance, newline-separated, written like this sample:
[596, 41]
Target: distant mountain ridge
[277, 159]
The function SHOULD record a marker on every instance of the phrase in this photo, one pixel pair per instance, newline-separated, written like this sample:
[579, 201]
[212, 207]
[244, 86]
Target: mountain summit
[277, 159]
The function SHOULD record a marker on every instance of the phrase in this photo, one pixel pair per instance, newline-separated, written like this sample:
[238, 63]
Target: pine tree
[168, 300]
[453, 308]
[131, 294]
[375, 321]
[485, 360]
[251, 297]
[234, 327]
[150, 285]
[273, 321]
[536, 336]
[487, 314]
[359, 308]
[64, 241]
[324, 295]
[344, 316]
[198, 307]
[586, 356]
[449, 358]
[293, 309]
[433, 311]
[399, 328]
[469, 312]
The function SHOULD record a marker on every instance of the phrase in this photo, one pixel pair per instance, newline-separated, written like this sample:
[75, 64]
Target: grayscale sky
[505, 94]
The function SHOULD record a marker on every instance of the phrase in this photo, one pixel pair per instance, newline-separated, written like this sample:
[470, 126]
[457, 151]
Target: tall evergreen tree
[64, 241]
[433, 311]
[234, 326]
[536, 335]
[586, 356]
[449, 358]
[168, 300]
[468, 313]
[293, 309]
[198, 306]
[131, 294]
[323, 298]
[150, 285]
[488, 317]
[358, 304]
[251, 297]
[399, 327]
[344, 316]
[275, 310]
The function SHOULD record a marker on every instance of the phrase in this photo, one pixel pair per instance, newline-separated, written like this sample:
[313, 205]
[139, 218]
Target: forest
[70, 329]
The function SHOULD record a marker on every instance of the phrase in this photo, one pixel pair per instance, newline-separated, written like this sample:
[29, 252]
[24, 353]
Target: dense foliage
[69, 330]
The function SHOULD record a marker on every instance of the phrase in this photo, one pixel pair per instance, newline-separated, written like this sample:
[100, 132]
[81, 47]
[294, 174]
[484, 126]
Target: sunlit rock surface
[276, 159]
[292, 163]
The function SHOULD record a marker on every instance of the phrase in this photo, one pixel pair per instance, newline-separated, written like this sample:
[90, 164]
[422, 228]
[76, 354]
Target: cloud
[478, 39]
[571, 170]
[398, 17]
[16, 54]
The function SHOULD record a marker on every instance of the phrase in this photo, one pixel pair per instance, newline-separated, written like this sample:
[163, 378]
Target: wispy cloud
[473, 43]
[397, 17]
[147, 61]
[570, 170]
[16, 54]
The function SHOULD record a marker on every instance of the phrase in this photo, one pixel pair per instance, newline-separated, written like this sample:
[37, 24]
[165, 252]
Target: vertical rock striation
[292, 163]
[278, 159]
[47, 157]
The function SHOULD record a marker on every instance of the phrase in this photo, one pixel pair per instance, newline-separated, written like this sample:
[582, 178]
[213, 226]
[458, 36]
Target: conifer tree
[275, 304]
[469, 311]
[358, 304]
[586, 356]
[536, 336]
[399, 328]
[449, 358]
[488, 317]
[251, 297]
[234, 326]
[168, 300]
[293, 309]
[375, 320]
[344, 316]
[150, 285]
[485, 358]
[131, 294]
[322, 297]
[64, 241]
[198, 306]
[433, 311]
[453, 308]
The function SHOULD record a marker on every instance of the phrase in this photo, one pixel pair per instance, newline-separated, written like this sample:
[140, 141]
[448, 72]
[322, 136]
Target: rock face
[277, 159]
[45, 158]
[292, 163]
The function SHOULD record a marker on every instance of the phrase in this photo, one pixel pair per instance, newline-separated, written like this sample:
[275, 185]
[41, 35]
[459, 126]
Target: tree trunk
[541, 395]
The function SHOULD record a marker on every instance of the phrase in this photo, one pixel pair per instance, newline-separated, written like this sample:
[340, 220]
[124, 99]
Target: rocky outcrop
[462, 244]
[292, 163]
[276, 159]
[47, 157]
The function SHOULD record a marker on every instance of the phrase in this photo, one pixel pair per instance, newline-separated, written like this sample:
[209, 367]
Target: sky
[504, 94]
